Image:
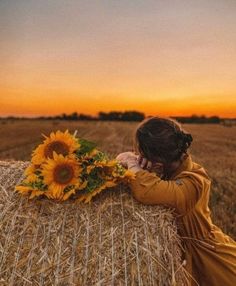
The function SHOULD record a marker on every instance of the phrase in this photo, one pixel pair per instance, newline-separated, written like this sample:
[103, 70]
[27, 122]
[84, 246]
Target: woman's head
[161, 140]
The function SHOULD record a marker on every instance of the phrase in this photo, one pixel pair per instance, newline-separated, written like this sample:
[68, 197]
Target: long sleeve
[181, 193]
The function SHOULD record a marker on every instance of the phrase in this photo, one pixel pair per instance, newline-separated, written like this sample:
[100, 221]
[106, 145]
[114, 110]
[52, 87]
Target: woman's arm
[149, 188]
[182, 193]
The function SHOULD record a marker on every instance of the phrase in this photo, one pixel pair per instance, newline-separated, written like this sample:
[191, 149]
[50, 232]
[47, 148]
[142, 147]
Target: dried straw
[113, 241]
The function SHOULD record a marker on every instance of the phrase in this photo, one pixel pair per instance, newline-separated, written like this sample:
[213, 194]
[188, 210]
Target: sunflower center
[63, 174]
[58, 146]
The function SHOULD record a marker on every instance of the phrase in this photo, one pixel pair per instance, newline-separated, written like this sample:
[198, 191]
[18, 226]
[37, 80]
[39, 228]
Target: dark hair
[162, 139]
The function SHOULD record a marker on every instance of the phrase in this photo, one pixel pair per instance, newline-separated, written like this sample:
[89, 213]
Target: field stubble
[214, 147]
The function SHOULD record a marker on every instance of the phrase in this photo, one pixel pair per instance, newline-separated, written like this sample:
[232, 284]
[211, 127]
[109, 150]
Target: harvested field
[214, 147]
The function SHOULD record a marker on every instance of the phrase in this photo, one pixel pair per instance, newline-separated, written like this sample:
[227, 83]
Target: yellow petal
[68, 194]
[22, 189]
[35, 193]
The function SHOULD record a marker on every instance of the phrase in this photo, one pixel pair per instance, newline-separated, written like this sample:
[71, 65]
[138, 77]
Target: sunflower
[129, 175]
[25, 190]
[104, 163]
[59, 173]
[62, 143]
[88, 196]
[36, 193]
[68, 194]
[30, 173]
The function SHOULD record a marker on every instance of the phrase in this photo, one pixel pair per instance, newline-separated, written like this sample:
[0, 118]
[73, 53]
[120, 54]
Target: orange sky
[159, 57]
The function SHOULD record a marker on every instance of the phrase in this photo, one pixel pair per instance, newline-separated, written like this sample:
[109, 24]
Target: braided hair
[162, 140]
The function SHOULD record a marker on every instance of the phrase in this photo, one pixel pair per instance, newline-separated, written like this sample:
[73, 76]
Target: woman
[166, 174]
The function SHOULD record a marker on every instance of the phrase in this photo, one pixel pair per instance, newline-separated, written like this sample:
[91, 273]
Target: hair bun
[188, 137]
[185, 140]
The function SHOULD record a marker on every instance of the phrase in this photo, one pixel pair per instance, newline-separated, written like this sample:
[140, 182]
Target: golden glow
[161, 59]
[223, 105]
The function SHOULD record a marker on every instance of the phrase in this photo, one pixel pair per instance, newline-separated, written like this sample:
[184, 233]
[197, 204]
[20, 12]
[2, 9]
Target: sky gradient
[169, 57]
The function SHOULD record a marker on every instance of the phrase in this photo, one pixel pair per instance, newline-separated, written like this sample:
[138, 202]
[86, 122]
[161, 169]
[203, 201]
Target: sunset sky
[162, 57]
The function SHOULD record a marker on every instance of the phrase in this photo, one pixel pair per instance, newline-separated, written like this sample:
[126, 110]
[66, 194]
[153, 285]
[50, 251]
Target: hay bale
[113, 241]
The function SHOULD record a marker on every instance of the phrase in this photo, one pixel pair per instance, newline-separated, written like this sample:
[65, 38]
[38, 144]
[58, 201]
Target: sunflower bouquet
[65, 166]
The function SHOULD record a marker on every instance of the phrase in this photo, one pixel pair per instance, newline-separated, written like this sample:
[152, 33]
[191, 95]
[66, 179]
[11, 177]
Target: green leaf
[94, 180]
[100, 156]
[39, 185]
[85, 147]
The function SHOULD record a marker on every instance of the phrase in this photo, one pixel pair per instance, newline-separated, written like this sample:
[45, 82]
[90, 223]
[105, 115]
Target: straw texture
[112, 241]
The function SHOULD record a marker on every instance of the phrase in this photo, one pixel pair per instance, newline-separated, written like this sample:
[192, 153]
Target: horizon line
[24, 116]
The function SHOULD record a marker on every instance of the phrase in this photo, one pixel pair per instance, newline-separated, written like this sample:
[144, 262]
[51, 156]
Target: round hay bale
[113, 241]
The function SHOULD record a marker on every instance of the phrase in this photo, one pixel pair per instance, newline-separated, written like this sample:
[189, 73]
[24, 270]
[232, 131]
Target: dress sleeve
[181, 193]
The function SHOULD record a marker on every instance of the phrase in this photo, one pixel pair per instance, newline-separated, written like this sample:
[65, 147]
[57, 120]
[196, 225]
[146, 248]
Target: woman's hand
[129, 160]
[135, 163]
[152, 167]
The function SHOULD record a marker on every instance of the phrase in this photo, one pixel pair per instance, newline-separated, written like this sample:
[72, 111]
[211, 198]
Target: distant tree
[113, 115]
[74, 116]
[64, 116]
[198, 119]
[121, 116]
[214, 119]
[132, 116]
[86, 117]
[102, 115]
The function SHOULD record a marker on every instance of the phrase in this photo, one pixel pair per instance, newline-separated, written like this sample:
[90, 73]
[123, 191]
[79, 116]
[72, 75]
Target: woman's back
[209, 253]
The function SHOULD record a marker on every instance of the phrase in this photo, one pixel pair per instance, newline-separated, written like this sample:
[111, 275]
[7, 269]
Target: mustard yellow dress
[209, 253]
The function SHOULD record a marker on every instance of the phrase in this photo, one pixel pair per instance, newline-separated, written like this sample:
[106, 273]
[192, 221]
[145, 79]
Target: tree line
[124, 116]
[111, 116]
